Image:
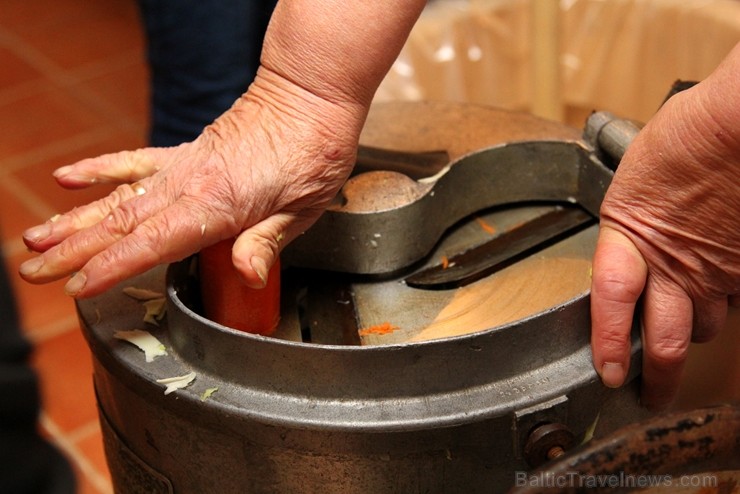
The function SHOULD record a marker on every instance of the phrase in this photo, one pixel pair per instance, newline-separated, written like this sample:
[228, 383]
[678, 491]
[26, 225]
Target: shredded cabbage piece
[207, 393]
[156, 309]
[154, 303]
[144, 340]
[142, 293]
[589, 434]
[175, 383]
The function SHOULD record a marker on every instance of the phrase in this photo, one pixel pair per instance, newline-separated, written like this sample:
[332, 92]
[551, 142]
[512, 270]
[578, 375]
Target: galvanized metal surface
[386, 221]
[385, 232]
[519, 292]
[297, 417]
[447, 415]
[504, 250]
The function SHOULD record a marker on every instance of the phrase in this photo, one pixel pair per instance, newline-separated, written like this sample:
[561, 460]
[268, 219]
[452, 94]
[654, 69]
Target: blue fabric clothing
[203, 54]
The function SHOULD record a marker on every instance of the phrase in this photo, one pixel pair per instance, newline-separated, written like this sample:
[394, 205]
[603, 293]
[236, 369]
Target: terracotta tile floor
[73, 84]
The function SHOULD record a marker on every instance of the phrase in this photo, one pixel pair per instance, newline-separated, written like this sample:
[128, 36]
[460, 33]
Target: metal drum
[326, 406]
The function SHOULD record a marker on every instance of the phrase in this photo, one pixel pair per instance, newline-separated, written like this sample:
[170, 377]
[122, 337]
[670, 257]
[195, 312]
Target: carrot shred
[445, 262]
[384, 328]
[488, 228]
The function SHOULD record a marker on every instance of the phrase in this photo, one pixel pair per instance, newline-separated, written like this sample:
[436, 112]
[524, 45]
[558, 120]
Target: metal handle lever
[609, 136]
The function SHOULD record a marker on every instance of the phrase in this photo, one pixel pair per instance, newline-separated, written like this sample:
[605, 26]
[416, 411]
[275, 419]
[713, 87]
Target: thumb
[619, 277]
[257, 248]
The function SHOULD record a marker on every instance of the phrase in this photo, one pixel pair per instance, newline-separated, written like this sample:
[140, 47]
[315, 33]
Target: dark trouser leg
[203, 55]
[28, 464]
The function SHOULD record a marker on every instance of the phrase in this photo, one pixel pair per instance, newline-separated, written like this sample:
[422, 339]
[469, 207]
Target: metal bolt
[555, 452]
[547, 442]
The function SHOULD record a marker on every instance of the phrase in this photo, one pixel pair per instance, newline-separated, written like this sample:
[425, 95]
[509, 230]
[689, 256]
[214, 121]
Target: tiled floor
[73, 84]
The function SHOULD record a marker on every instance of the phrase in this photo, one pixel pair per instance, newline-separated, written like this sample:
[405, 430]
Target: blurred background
[73, 84]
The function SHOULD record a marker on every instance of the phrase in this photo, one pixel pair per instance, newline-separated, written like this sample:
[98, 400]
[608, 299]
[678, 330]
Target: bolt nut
[547, 442]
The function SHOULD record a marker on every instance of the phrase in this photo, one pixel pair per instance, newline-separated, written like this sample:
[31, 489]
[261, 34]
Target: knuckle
[128, 254]
[107, 259]
[120, 222]
[78, 219]
[614, 341]
[120, 194]
[81, 217]
[666, 352]
[70, 254]
[151, 236]
[267, 243]
[211, 209]
[130, 160]
[611, 285]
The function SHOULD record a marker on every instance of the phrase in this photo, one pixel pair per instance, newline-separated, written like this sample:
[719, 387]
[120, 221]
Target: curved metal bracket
[388, 222]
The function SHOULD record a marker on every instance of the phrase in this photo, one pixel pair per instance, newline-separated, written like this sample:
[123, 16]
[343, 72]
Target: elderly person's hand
[670, 236]
[257, 172]
[264, 171]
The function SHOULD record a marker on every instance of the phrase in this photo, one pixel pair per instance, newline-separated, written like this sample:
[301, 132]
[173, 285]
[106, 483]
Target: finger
[42, 237]
[667, 322]
[71, 254]
[170, 235]
[619, 274]
[709, 319]
[257, 248]
[734, 300]
[125, 166]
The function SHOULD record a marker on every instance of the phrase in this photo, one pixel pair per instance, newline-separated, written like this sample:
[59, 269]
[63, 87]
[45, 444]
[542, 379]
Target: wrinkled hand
[265, 170]
[670, 237]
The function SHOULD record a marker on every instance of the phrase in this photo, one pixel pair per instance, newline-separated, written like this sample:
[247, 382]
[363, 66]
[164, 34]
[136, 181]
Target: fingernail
[75, 284]
[66, 173]
[31, 266]
[61, 171]
[260, 267]
[612, 374]
[37, 233]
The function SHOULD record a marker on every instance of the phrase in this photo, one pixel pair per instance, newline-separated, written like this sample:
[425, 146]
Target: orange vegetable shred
[384, 328]
[445, 262]
[488, 228]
